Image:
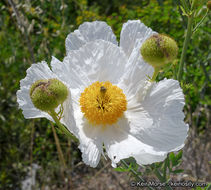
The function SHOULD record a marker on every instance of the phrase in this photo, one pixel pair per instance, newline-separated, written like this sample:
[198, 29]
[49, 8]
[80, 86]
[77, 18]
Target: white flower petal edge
[133, 34]
[137, 75]
[89, 31]
[90, 141]
[161, 109]
[121, 144]
[98, 60]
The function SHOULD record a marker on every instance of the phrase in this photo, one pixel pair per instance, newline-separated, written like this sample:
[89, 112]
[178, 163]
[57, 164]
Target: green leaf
[174, 160]
[183, 11]
[185, 6]
[179, 155]
[120, 169]
[172, 156]
[158, 164]
[168, 164]
[177, 171]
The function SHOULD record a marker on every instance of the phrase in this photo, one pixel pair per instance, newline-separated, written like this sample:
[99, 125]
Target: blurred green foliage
[36, 30]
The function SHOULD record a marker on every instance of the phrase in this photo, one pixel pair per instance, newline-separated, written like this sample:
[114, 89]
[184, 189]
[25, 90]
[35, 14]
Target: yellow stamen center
[103, 103]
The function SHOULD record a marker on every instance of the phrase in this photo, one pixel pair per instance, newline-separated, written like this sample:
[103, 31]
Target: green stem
[202, 20]
[161, 178]
[31, 144]
[175, 72]
[61, 156]
[165, 168]
[61, 126]
[185, 45]
[135, 173]
[155, 74]
[158, 175]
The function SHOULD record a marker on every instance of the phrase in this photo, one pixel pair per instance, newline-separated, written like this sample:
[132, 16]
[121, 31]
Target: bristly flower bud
[159, 50]
[48, 94]
[209, 5]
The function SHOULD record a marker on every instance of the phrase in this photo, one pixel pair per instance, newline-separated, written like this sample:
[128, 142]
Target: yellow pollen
[103, 103]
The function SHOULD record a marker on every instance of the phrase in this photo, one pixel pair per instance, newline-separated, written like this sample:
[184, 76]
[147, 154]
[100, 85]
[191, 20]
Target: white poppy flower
[114, 104]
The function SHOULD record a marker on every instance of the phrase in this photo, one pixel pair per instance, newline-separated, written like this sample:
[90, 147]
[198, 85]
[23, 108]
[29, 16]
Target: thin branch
[185, 46]
[32, 143]
[60, 153]
[202, 20]
[21, 24]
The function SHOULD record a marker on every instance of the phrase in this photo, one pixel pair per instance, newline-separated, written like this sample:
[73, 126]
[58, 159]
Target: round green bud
[209, 5]
[159, 50]
[48, 94]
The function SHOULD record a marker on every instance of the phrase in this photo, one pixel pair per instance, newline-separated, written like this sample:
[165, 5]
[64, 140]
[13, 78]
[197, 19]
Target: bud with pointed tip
[159, 50]
[48, 94]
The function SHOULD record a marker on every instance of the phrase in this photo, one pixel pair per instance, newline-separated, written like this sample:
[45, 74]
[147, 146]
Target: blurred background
[35, 30]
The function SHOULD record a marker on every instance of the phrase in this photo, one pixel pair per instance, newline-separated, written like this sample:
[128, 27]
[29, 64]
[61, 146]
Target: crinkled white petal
[96, 61]
[89, 137]
[35, 72]
[133, 34]
[75, 80]
[158, 119]
[145, 158]
[68, 118]
[121, 144]
[89, 31]
[137, 75]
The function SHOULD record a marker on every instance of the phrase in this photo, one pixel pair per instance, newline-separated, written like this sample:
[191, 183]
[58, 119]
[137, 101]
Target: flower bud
[209, 5]
[159, 50]
[48, 94]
